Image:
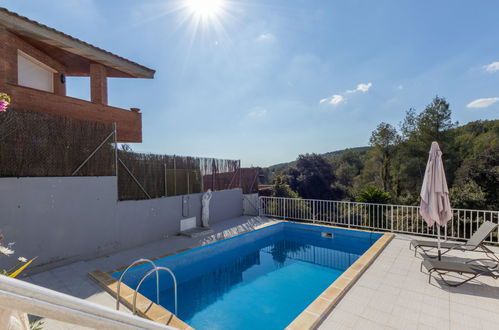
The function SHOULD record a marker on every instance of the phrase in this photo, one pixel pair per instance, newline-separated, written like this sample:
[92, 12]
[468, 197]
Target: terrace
[391, 294]
[84, 210]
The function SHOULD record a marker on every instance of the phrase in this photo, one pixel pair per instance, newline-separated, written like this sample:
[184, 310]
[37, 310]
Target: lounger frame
[488, 271]
[459, 247]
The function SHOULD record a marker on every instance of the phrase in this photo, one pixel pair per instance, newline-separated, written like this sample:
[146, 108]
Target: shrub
[373, 195]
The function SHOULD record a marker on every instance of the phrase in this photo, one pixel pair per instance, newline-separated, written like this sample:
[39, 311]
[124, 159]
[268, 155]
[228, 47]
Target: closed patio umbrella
[435, 204]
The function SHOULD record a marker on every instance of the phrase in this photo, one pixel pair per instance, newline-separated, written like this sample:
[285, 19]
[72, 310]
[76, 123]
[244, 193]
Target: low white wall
[66, 219]
[250, 204]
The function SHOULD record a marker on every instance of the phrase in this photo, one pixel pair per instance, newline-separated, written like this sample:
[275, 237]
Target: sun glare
[205, 8]
[203, 19]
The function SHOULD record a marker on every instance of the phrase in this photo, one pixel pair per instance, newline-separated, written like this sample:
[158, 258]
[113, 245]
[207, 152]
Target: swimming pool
[261, 279]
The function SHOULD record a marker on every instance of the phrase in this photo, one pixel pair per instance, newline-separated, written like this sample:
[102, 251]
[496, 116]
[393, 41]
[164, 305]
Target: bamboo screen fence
[164, 175]
[38, 144]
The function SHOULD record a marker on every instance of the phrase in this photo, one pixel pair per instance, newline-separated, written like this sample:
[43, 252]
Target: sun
[206, 8]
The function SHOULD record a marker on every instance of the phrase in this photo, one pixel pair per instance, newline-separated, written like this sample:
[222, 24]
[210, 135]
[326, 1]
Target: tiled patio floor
[392, 293]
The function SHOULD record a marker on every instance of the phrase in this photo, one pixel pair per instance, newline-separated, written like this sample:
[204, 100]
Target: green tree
[434, 123]
[384, 140]
[373, 195]
[313, 178]
[280, 188]
[477, 180]
[347, 167]
[467, 194]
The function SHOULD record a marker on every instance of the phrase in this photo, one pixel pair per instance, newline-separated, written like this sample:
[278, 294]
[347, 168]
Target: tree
[477, 181]
[313, 178]
[347, 167]
[383, 140]
[281, 189]
[467, 194]
[434, 123]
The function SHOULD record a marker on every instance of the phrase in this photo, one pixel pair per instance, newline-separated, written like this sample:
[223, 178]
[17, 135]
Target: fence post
[213, 175]
[166, 181]
[445, 231]
[259, 205]
[174, 176]
[240, 176]
[391, 221]
[313, 211]
[115, 150]
[284, 207]
[348, 215]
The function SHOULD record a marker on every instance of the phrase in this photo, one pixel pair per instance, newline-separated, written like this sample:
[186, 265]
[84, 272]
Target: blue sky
[267, 80]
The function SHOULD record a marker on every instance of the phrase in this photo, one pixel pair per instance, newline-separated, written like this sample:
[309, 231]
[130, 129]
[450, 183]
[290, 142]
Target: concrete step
[197, 232]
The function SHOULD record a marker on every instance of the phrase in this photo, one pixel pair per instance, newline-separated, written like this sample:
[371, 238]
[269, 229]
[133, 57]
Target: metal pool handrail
[155, 268]
[146, 276]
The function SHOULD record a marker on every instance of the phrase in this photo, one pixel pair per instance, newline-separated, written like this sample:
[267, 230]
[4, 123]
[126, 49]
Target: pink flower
[3, 105]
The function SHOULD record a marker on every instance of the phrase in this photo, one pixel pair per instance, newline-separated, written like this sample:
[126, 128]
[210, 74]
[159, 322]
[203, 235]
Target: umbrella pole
[439, 253]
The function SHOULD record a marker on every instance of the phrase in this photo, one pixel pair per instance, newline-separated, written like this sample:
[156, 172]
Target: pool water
[259, 280]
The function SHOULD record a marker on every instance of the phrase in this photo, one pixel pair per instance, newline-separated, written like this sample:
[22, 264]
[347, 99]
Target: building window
[33, 73]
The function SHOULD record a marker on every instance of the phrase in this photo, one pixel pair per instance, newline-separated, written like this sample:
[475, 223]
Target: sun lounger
[471, 269]
[475, 243]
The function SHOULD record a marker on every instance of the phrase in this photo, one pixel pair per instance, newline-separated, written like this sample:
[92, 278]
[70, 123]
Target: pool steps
[156, 270]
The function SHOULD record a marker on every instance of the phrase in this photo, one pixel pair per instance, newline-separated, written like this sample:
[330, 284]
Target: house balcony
[128, 122]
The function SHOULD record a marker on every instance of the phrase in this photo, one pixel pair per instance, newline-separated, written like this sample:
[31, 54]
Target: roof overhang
[68, 49]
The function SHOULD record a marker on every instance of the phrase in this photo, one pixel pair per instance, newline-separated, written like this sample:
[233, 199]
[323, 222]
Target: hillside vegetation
[393, 165]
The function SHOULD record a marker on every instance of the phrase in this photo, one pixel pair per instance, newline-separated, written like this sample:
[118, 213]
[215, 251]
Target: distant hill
[331, 154]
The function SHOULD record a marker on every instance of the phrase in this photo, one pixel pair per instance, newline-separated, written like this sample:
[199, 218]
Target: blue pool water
[259, 280]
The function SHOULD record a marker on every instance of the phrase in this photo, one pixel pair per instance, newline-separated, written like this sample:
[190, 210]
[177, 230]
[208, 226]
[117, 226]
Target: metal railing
[136, 262]
[384, 217]
[17, 295]
[155, 269]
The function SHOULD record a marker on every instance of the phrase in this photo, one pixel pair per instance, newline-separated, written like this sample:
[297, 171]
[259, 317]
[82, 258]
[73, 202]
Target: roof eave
[72, 45]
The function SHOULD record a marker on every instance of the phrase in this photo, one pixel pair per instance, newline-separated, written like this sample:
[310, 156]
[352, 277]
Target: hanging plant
[4, 102]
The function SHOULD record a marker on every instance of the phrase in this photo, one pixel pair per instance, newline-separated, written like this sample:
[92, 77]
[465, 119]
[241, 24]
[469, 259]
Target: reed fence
[152, 176]
[36, 144]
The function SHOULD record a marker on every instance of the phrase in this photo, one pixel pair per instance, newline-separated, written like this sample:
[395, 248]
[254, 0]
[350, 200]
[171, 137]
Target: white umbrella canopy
[435, 204]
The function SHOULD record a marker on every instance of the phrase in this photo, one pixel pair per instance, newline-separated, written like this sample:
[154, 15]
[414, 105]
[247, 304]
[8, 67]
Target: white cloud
[336, 99]
[364, 87]
[360, 88]
[482, 102]
[257, 112]
[265, 37]
[400, 86]
[492, 67]
[339, 98]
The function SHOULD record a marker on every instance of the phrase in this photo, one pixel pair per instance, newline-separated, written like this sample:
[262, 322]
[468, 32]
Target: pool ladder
[156, 270]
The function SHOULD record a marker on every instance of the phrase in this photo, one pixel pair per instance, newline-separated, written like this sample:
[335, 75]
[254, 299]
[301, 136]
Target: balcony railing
[382, 217]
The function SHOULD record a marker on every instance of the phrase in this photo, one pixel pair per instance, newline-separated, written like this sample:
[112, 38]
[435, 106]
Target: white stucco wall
[73, 218]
